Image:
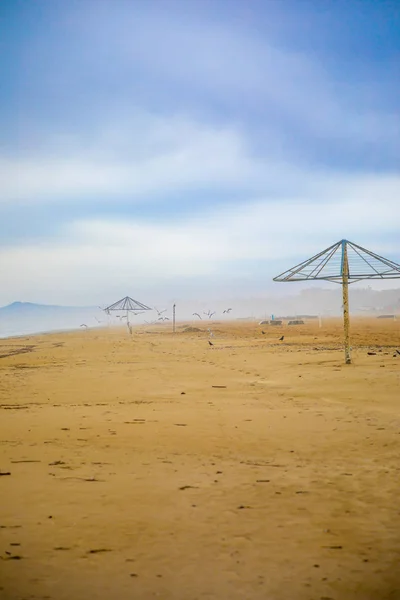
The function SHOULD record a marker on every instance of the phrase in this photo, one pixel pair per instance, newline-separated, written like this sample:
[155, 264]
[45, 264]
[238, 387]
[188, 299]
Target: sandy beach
[158, 466]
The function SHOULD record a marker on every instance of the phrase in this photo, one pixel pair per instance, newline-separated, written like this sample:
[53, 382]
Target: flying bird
[282, 338]
[209, 314]
[228, 310]
[197, 315]
[83, 325]
[211, 344]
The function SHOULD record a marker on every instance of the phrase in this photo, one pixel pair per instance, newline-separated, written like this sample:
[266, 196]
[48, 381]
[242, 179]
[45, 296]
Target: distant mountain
[23, 318]
[30, 307]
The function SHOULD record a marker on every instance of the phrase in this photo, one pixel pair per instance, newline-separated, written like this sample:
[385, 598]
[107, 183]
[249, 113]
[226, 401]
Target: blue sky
[151, 145]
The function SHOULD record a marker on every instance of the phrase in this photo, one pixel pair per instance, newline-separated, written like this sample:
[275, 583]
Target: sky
[192, 148]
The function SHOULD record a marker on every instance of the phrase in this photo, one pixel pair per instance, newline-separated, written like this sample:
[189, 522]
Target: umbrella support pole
[346, 316]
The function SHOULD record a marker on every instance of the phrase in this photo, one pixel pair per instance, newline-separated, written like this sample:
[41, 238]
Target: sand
[157, 466]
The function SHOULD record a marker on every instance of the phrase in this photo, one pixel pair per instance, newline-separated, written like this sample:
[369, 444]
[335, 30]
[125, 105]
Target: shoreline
[48, 332]
[205, 325]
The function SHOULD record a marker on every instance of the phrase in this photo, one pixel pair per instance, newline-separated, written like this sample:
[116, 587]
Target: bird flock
[160, 314]
[161, 317]
[210, 313]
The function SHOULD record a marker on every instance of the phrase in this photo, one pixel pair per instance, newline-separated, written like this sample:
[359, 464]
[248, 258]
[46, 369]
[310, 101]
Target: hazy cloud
[223, 243]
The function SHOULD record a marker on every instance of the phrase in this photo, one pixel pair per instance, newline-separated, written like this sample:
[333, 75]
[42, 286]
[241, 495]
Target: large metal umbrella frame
[343, 263]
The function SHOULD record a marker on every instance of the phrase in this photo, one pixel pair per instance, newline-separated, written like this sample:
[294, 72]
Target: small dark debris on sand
[3, 474]
[189, 487]
[90, 479]
[99, 550]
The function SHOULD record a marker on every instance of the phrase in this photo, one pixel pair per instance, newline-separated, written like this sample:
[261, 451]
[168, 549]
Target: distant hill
[23, 318]
[31, 307]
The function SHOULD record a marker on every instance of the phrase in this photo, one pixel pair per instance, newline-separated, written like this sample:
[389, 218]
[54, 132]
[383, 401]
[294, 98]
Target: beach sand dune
[158, 466]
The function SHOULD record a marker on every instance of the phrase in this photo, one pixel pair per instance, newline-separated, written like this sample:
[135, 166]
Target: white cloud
[227, 63]
[151, 157]
[147, 156]
[96, 255]
[227, 74]
[139, 158]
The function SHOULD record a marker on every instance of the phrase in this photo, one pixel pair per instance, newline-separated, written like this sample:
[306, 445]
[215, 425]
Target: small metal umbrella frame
[127, 304]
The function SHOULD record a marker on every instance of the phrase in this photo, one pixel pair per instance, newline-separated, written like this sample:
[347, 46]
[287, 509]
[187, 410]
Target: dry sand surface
[158, 466]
